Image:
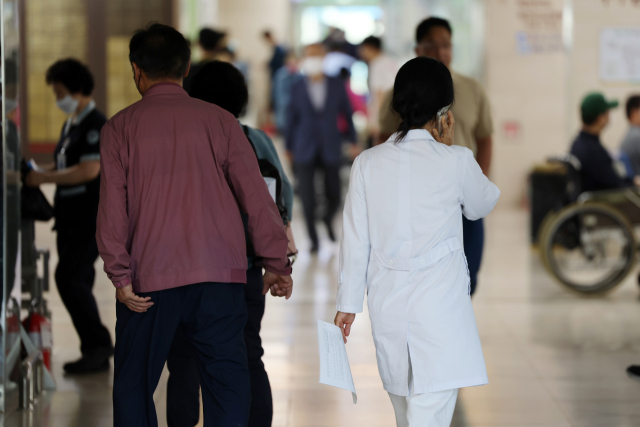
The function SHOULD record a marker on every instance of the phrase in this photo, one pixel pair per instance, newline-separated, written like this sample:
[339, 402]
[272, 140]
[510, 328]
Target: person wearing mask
[597, 171]
[76, 173]
[223, 85]
[382, 73]
[176, 174]
[313, 140]
[631, 142]
[472, 112]
[212, 44]
[402, 245]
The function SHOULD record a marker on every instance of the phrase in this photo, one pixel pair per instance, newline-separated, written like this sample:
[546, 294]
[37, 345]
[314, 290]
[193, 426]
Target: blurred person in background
[212, 43]
[285, 77]
[222, 84]
[337, 59]
[597, 170]
[382, 73]
[176, 174]
[278, 54]
[631, 142]
[473, 117]
[313, 140]
[76, 173]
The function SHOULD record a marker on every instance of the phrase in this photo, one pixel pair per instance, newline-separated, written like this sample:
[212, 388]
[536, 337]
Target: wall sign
[540, 26]
[620, 54]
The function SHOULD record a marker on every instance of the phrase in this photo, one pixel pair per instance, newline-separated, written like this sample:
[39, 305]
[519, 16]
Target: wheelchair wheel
[590, 248]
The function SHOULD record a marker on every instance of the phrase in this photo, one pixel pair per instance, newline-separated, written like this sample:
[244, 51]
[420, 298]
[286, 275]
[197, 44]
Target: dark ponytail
[422, 87]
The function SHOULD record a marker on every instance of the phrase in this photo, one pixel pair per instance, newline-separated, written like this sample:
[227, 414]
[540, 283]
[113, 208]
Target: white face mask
[68, 104]
[312, 65]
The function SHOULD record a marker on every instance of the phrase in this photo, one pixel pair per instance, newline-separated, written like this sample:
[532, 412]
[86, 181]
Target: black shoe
[634, 372]
[330, 232]
[93, 361]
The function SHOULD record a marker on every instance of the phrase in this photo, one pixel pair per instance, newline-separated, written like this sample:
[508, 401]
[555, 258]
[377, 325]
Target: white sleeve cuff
[349, 308]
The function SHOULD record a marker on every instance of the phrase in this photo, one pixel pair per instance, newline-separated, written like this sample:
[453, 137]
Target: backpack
[272, 178]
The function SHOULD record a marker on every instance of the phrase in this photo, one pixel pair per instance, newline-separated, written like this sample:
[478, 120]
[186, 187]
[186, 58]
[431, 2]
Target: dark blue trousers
[473, 235]
[183, 387]
[212, 316]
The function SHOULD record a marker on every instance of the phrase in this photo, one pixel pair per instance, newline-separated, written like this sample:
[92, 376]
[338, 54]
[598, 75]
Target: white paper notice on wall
[334, 364]
[620, 54]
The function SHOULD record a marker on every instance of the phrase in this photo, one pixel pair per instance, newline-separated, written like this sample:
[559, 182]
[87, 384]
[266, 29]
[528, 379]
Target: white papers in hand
[334, 364]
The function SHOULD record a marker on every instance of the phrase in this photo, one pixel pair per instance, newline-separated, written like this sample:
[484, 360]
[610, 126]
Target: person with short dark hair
[382, 72]
[631, 142]
[222, 84]
[402, 246]
[475, 126]
[597, 170]
[76, 173]
[177, 173]
[213, 45]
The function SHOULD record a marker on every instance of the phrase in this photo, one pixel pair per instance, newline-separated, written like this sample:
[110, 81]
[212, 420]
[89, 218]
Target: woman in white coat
[402, 243]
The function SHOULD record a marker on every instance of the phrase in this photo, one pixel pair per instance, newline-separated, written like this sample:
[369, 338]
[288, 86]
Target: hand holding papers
[334, 364]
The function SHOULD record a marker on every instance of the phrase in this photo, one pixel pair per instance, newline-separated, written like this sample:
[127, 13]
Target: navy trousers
[183, 405]
[473, 236]
[212, 316]
[75, 275]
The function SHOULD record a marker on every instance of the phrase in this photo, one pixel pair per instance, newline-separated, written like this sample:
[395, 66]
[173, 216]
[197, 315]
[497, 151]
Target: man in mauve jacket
[176, 172]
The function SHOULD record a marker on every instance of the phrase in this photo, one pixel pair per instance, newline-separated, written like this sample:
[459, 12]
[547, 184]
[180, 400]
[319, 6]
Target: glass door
[10, 207]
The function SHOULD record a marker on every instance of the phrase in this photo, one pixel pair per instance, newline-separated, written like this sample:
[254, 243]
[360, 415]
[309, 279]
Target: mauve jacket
[175, 173]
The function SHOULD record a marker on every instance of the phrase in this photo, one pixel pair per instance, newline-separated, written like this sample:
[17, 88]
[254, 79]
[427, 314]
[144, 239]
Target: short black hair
[423, 86]
[425, 27]
[372, 41]
[160, 51]
[633, 103]
[209, 38]
[72, 74]
[222, 84]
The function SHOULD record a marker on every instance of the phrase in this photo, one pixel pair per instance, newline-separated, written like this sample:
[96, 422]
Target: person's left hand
[34, 179]
[448, 124]
[344, 322]
[280, 286]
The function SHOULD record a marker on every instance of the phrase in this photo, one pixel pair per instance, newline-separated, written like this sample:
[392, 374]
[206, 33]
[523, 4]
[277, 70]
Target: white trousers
[426, 409]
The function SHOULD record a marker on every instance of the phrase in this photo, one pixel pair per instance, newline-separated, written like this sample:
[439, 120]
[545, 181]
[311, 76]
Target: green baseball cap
[595, 104]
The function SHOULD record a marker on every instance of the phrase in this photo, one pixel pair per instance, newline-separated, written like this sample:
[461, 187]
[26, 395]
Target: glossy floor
[554, 359]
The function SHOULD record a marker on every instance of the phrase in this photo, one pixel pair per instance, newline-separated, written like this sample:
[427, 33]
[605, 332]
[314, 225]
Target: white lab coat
[402, 242]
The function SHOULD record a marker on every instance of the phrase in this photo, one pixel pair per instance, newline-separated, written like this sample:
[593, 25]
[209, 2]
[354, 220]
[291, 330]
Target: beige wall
[525, 89]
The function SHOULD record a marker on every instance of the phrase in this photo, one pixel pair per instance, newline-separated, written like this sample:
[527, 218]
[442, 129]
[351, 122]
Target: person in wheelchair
[597, 170]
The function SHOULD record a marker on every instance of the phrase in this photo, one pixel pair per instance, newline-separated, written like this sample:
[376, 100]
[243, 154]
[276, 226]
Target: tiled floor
[554, 359]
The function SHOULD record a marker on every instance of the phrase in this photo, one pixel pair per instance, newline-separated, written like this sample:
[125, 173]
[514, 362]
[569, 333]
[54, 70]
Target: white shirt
[382, 75]
[402, 243]
[317, 93]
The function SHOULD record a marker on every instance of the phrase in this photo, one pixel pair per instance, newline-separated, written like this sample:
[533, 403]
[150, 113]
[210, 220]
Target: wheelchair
[589, 242]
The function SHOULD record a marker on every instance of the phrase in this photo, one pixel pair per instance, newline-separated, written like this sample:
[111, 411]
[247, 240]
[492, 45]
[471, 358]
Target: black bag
[34, 206]
[267, 170]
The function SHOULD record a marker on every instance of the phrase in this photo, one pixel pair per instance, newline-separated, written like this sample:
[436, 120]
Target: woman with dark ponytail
[402, 244]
